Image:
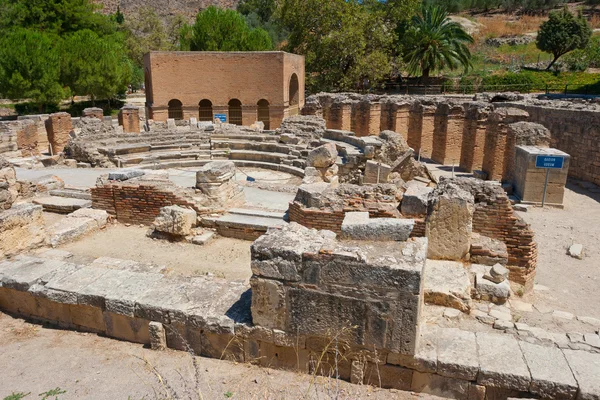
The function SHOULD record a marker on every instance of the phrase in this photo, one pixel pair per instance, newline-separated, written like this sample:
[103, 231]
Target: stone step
[250, 221]
[71, 193]
[249, 155]
[256, 213]
[61, 205]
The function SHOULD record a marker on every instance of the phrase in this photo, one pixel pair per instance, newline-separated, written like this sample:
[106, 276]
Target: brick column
[428, 126]
[346, 115]
[388, 116]
[276, 115]
[447, 137]
[190, 112]
[440, 133]
[249, 114]
[415, 126]
[361, 118]
[374, 119]
[93, 112]
[494, 147]
[129, 119]
[402, 119]
[471, 154]
[58, 126]
[334, 116]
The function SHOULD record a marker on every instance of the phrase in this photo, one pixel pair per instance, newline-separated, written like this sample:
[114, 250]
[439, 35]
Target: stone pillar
[58, 126]
[216, 181]
[346, 115]
[334, 116]
[375, 119]
[454, 135]
[471, 154]
[402, 119]
[415, 126]
[93, 112]
[250, 114]
[530, 181]
[449, 222]
[326, 106]
[129, 119]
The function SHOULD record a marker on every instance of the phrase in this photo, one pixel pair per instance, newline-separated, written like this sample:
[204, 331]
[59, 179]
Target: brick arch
[205, 110]
[175, 109]
[235, 112]
[264, 113]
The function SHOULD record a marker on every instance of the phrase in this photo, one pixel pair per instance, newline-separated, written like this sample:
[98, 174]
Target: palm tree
[434, 42]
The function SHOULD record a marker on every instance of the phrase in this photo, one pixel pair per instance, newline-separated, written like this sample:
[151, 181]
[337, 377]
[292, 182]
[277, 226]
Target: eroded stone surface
[447, 283]
[175, 220]
[502, 363]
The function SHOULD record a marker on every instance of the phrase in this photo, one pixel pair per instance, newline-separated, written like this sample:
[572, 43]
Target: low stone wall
[21, 228]
[138, 203]
[19, 135]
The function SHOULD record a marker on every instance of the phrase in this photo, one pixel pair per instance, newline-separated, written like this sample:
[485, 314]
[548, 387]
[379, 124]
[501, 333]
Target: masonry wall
[19, 135]
[136, 204]
[220, 77]
[58, 126]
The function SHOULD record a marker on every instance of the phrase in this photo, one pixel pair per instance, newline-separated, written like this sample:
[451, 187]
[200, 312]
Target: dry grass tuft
[504, 25]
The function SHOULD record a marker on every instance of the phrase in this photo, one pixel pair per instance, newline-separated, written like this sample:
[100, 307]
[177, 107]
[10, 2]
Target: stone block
[457, 354]
[501, 362]
[323, 156]
[122, 327]
[415, 200]
[491, 291]
[124, 175]
[586, 369]
[100, 216]
[447, 283]
[440, 386]
[269, 304]
[551, 376]
[71, 229]
[158, 339]
[215, 171]
[358, 226]
[175, 220]
[449, 222]
[21, 228]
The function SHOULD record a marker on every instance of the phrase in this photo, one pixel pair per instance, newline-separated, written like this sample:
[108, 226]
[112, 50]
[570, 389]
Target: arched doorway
[235, 112]
[294, 95]
[205, 111]
[175, 109]
[263, 113]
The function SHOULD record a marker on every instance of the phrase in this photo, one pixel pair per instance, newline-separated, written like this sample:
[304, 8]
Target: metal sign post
[548, 162]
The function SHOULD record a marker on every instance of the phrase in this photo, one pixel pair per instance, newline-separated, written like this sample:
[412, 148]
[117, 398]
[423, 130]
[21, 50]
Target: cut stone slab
[501, 362]
[592, 339]
[519, 305]
[175, 220]
[488, 290]
[100, 216]
[203, 238]
[502, 316]
[503, 325]
[457, 354]
[358, 226]
[61, 205]
[452, 313]
[586, 368]
[71, 229]
[447, 283]
[125, 174]
[590, 321]
[415, 199]
[562, 315]
[498, 274]
[551, 377]
[64, 288]
[576, 251]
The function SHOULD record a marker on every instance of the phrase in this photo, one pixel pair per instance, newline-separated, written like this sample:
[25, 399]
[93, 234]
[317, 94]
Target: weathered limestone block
[551, 376]
[358, 226]
[215, 180]
[175, 220]
[457, 354]
[376, 172]
[158, 339]
[415, 200]
[447, 283]
[501, 362]
[312, 175]
[586, 368]
[307, 282]
[488, 251]
[8, 184]
[70, 229]
[449, 222]
[323, 156]
[21, 228]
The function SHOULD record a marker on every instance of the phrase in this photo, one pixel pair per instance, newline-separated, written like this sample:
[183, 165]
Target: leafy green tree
[223, 30]
[30, 68]
[53, 16]
[563, 32]
[347, 45]
[264, 9]
[434, 42]
[95, 66]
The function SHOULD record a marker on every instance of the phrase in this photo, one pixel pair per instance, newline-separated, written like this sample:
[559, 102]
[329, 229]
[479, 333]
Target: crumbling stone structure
[308, 282]
[8, 184]
[129, 119]
[93, 112]
[21, 228]
[19, 136]
[58, 126]
[216, 181]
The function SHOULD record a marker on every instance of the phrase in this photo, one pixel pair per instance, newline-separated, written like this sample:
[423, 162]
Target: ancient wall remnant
[8, 184]
[58, 126]
[306, 282]
[93, 112]
[21, 228]
[19, 136]
[216, 181]
[129, 119]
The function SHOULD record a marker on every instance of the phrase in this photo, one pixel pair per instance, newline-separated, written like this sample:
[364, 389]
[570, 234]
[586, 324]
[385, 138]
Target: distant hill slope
[164, 7]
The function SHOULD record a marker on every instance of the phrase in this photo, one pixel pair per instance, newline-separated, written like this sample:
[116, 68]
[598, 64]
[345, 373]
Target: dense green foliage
[223, 30]
[527, 6]
[562, 33]
[50, 50]
[434, 43]
[582, 59]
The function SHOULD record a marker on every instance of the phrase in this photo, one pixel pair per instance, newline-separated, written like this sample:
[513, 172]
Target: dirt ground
[224, 257]
[562, 282]
[36, 359]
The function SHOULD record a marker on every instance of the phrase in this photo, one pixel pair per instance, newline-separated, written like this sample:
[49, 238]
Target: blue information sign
[221, 117]
[550, 162]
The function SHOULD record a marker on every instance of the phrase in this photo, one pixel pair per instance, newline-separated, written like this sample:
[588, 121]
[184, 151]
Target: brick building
[238, 87]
